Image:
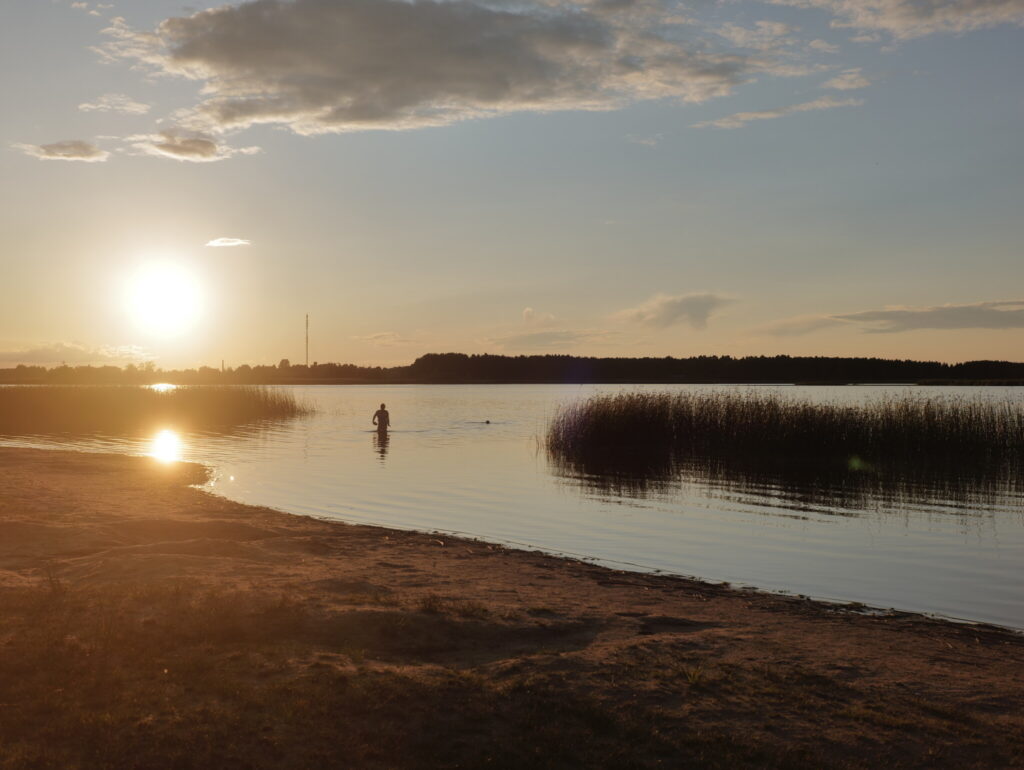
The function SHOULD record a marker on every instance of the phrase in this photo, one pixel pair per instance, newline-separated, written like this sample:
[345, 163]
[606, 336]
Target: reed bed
[648, 438]
[139, 410]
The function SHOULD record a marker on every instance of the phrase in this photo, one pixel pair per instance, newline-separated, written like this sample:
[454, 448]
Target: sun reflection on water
[166, 446]
[163, 387]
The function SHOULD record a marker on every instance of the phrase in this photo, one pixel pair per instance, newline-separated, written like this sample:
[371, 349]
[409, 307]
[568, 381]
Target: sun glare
[166, 446]
[164, 299]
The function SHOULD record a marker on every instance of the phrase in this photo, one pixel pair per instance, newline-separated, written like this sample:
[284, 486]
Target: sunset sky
[604, 177]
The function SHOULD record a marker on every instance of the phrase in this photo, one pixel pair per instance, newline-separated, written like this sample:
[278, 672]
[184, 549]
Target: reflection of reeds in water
[911, 448]
[139, 410]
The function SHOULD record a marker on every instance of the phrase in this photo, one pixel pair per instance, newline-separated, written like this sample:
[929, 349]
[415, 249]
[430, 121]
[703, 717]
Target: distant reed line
[637, 431]
[138, 410]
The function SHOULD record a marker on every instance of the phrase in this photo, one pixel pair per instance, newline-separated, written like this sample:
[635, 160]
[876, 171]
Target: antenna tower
[307, 340]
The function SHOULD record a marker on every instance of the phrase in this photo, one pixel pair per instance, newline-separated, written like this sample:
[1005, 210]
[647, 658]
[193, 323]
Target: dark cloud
[324, 66]
[662, 310]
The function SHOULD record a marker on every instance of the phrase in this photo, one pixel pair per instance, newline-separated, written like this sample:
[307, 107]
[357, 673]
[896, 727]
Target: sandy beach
[147, 623]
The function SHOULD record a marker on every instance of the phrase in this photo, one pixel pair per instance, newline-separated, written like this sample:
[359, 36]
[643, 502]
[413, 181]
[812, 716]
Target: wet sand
[147, 623]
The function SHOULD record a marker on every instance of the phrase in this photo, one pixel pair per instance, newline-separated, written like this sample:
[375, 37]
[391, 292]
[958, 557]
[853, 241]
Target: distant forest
[440, 368]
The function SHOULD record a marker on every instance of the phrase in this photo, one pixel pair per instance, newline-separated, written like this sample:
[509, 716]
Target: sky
[184, 183]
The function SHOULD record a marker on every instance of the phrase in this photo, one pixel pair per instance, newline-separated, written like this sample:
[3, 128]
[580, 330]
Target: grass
[635, 439]
[140, 410]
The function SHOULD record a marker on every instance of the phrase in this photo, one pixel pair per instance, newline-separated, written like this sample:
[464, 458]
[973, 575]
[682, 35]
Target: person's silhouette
[382, 419]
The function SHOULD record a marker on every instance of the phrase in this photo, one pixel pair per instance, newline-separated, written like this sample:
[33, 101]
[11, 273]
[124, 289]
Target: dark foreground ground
[144, 623]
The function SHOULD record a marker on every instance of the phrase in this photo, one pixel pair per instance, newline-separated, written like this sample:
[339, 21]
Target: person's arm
[374, 418]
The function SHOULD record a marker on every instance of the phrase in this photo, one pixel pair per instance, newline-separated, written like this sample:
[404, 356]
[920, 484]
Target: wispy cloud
[905, 19]
[847, 80]
[560, 339]
[115, 103]
[822, 46]
[72, 353]
[227, 242]
[70, 149]
[762, 36]
[191, 146]
[384, 339]
[740, 119]
[1001, 314]
[663, 310]
[537, 318]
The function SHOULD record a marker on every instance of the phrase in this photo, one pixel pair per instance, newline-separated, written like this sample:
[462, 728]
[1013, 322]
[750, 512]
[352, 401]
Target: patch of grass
[694, 675]
[431, 603]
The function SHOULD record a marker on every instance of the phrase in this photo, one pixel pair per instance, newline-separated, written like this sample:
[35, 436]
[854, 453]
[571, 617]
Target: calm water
[445, 468]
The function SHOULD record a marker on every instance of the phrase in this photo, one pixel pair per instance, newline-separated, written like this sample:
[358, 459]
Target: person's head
[382, 406]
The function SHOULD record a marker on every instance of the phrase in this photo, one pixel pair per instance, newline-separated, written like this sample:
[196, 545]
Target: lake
[469, 460]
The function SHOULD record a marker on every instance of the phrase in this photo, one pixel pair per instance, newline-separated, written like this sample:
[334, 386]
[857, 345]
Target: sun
[164, 299]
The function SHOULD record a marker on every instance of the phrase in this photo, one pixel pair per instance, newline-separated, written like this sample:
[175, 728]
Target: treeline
[461, 368]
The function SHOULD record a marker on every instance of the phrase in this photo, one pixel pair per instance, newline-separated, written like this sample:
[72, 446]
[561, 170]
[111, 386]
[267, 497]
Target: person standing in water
[382, 419]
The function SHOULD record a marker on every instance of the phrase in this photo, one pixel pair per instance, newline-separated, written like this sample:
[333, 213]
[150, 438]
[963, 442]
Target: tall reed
[139, 410]
[750, 422]
[639, 438]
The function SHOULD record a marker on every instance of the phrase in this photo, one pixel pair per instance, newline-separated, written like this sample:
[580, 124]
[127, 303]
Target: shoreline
[842, 604]
[254, 610]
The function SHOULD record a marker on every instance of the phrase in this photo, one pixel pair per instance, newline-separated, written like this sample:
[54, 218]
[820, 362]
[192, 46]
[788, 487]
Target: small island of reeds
[138, 410]
[651, 436]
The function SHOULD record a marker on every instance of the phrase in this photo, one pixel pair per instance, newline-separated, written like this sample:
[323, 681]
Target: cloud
[556, 339]
[740, 119]
[1002, 314]
[316, 66]
[823, 47]
[646, 141]
[803, 324]
[531, 316]
[115, 103]
[763, 36]
[72, 353]
[906, 19]
[384, 339]
[663, 310]
[71, 149]
[847, 80]
[225, 242]
[1006, 314]
[195, 147]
